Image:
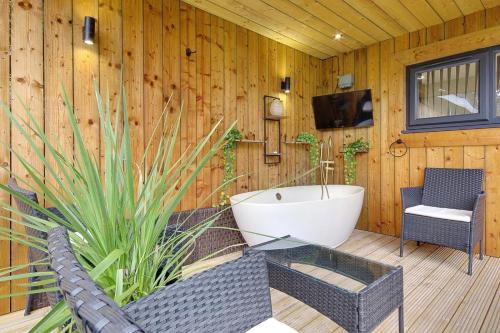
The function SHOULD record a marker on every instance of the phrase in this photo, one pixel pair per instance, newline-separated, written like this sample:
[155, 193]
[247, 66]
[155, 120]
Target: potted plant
[115, 213]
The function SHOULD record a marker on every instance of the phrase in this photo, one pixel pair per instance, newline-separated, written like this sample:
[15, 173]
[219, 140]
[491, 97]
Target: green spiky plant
[116, 216]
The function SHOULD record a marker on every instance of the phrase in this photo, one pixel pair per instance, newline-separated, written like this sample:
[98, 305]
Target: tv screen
[347, 109]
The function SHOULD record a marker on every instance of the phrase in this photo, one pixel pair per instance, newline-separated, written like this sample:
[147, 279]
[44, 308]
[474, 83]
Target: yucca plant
[116, 214]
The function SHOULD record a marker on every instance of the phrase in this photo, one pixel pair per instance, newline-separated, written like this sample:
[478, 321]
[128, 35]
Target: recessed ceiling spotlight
[338, 36]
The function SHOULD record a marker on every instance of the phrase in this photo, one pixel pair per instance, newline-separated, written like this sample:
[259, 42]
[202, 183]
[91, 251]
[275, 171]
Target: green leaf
[105, 264]
[57, 317]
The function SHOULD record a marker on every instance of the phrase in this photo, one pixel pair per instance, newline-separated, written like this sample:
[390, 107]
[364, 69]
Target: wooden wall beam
[5, 254]
[28, 84]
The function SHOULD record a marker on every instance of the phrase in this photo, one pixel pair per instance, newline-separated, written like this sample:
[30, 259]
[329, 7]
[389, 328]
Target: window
[497, 83]
[458, 92]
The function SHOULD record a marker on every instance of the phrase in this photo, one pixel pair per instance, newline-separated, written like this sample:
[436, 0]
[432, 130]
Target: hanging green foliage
[312, 141]
[350, 152]
[229, 158]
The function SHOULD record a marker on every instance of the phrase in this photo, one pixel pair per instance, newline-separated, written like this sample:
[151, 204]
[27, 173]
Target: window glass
[497, 83]
[449, 91]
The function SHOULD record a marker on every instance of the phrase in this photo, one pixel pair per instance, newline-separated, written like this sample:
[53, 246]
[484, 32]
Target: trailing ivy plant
[350, 152]
[312, 141]
[229, 158]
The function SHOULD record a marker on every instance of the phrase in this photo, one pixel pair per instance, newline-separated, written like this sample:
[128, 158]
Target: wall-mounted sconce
[285, 85]
[88, 30]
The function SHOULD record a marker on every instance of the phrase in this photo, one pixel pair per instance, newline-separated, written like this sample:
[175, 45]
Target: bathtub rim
[245, 201]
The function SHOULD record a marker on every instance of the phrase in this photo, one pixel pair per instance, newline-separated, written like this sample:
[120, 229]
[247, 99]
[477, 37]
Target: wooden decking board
[492, 321]
[370, 248]
[425, 268]
[439, 295]
[419, 298]
[16, 322]
[478, 300]
[440, 311]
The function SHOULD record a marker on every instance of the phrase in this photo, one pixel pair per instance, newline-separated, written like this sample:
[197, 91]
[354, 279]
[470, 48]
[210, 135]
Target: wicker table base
[355, 311]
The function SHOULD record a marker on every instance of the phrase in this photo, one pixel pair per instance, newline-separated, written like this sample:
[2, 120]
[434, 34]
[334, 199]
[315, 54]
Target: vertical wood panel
[217, 97]
[360, 72]
[289, 122]
[4, 137]
[454, 157]
[133, 43]
[492, 227]
[203, 122]
[418, 159]
[435, 157]
[402, 163]
[254, 118]
[110, 48]
[272, 133]
[348, 67]
[280, 75]
[492, 16]
[110, 51]
[338, 134]
[230, 80]
[474, 157]
[86, 72]
[374, 193]
[386, 161]
[171, 67]
[313, 91]
[58, 66]
[27, 82]
[263, 90]
[304, 119]
[297, 109]
[242, 105]
[188, 94]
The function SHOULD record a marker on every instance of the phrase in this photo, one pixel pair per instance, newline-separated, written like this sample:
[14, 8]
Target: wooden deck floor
[439, 295]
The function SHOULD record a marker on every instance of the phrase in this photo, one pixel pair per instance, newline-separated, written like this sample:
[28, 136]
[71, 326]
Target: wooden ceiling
[310, 25]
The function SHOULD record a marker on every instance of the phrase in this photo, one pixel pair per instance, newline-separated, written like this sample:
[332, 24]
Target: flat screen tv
[347, 109]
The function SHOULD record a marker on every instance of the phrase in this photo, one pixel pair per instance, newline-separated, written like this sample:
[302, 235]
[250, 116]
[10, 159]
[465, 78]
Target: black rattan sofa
[448, 210]
[232, 297]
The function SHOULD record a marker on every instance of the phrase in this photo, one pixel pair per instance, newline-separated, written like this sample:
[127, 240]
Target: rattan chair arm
[411, 196]
[479, 209]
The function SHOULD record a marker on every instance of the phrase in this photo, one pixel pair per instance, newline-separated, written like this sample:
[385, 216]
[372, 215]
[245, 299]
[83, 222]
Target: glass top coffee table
[356, 293]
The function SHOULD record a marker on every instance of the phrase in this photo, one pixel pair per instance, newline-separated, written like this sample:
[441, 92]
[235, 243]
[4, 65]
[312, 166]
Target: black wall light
[285, 85]
[88, 30]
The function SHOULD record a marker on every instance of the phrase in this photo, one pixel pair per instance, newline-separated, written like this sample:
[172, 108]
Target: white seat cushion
[440, 213]
[271, 325]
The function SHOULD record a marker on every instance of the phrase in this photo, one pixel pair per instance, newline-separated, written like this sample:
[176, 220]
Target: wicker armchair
[448, 210]
[34, 301]
[232, 297]
[222, 237]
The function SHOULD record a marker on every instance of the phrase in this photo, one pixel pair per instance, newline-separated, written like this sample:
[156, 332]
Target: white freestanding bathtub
[299, 212]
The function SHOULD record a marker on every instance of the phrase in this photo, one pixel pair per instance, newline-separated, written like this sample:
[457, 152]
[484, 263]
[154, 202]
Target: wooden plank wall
[227, 77]
[378, 171]
[145, 40]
